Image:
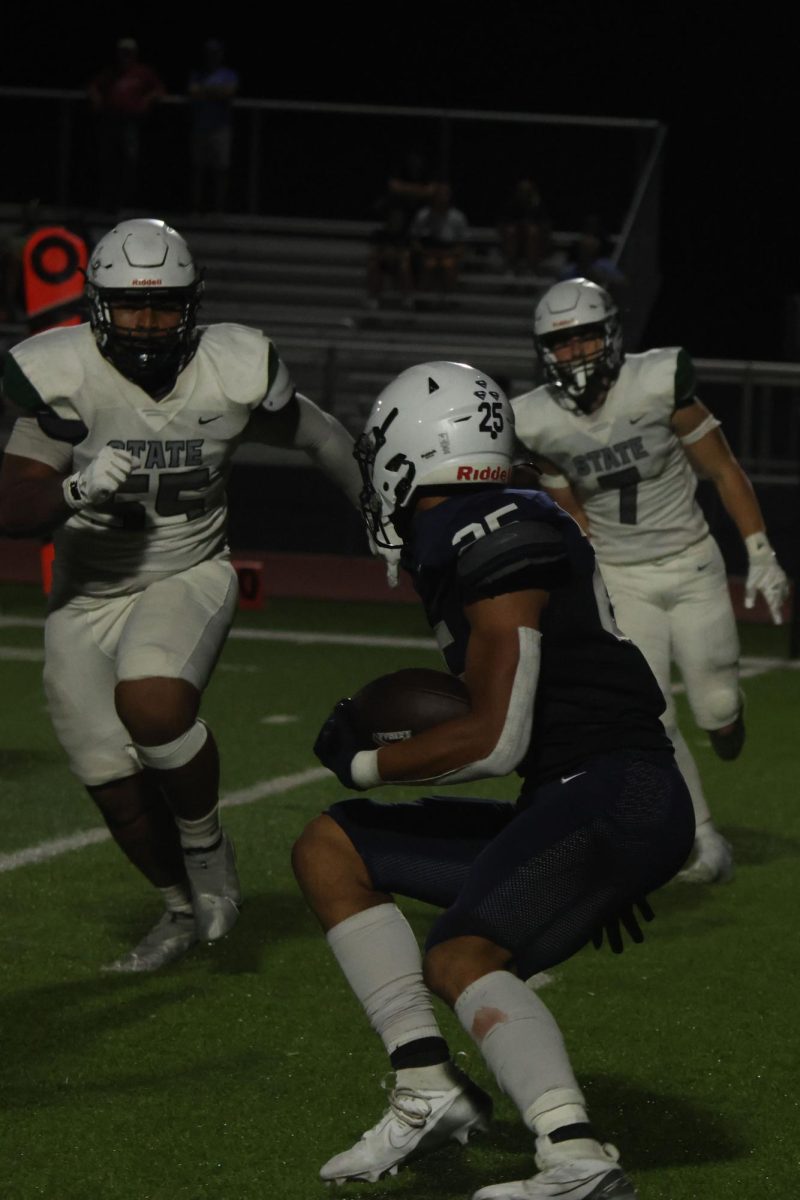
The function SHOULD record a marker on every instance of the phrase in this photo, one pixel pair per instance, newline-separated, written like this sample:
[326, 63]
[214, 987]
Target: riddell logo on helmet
[483, 474]
[145, 283]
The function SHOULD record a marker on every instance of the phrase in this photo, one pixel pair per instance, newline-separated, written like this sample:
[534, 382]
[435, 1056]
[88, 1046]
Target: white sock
[176, 898]
[706, 832]
[381, 961]
[520, 1041]
[201, 834]
[688, 769]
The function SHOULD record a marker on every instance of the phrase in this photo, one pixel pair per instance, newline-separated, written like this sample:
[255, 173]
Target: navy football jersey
[596, 692]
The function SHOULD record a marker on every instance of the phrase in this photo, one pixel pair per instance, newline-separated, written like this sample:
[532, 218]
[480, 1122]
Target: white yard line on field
[21, 654]
[55, 847]
[299, 637]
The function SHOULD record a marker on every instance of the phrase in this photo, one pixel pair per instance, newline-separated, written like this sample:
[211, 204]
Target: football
[395, 706]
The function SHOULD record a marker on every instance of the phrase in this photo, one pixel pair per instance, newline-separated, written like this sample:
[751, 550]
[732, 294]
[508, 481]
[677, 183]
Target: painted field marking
[299, 637]
[55, 847]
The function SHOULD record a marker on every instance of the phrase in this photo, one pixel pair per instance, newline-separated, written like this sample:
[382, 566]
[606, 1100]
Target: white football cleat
[172, 935]
[417, 1121]
[712, 861]
[214, 886]
[594, 1177]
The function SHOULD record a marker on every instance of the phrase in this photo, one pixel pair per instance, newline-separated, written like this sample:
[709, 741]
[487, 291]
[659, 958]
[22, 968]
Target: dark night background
[726, 91]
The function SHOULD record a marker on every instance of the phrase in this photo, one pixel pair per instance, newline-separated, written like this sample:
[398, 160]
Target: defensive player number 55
[132, 515]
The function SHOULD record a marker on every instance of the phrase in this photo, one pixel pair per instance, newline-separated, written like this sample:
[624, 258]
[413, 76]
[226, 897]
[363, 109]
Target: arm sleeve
[302, 425]
[514, 740]
[328, 443]
[509, 749]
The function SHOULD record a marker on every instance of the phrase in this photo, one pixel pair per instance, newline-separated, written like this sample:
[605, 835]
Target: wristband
[364, 770]
[72, 492]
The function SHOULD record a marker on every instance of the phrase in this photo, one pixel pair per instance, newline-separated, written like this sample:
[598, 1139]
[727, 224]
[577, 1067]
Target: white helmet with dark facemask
[437, 426]
[578, 307]
[144, 264]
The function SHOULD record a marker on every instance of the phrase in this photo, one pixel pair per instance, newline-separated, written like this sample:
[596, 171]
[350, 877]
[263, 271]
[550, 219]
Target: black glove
[337, 742]
[627, 918]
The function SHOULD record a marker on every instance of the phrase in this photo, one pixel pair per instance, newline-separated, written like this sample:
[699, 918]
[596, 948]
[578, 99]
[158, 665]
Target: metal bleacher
[303, 282]
[290, 256]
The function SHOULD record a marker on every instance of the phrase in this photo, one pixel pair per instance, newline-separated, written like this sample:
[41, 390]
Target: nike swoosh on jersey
[206, 420]
[703, 566]
[567, 778]
[636, 420]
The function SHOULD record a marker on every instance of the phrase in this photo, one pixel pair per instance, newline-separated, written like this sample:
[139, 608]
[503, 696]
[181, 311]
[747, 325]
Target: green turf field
[235, 1074]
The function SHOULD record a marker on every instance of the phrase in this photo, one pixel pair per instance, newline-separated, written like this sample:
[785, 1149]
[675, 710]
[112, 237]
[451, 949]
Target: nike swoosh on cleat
[567, 778]
[399, 1141]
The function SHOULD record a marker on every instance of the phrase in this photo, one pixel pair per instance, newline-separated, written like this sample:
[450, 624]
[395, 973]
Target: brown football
[395, 706]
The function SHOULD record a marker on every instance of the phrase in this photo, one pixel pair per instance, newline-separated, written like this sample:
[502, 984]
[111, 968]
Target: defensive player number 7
[627, 482]
[132, 515]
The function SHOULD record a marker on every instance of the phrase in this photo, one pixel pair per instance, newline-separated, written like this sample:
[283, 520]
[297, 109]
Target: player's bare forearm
[712, 458]
[438, 751]
[31, 497]
[740, 501]
[565, 498]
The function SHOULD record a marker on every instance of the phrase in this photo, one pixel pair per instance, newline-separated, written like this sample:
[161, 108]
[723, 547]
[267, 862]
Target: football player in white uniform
[621, 440]
[127, 429]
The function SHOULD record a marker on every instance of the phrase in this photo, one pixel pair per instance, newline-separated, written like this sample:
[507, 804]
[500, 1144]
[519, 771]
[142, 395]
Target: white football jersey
[624, 462]
[171, 511]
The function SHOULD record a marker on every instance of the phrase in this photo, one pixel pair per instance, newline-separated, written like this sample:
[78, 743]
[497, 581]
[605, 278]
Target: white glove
[95, 483]
[765, 575]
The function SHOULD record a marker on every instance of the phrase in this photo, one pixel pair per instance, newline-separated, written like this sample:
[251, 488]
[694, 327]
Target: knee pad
[176, 753]
[721, 705]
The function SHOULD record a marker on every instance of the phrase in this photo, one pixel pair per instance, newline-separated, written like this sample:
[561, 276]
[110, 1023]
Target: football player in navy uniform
[621, 440]
[513, 595]
[123, 448]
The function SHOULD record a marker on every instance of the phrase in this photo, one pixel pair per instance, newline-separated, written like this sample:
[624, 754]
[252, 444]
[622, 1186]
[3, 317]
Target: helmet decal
[436, 425]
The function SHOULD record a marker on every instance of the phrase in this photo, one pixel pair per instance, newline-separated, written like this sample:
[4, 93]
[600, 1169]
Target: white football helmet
[437, 425]
[578, 306]
[144, 264]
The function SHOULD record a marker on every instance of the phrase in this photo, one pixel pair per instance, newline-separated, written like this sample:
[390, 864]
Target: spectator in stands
[122, 96]
[591, 258]
[211, 91]
[523, 228]
[438, 236]
[390, 259]
[408, 188]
